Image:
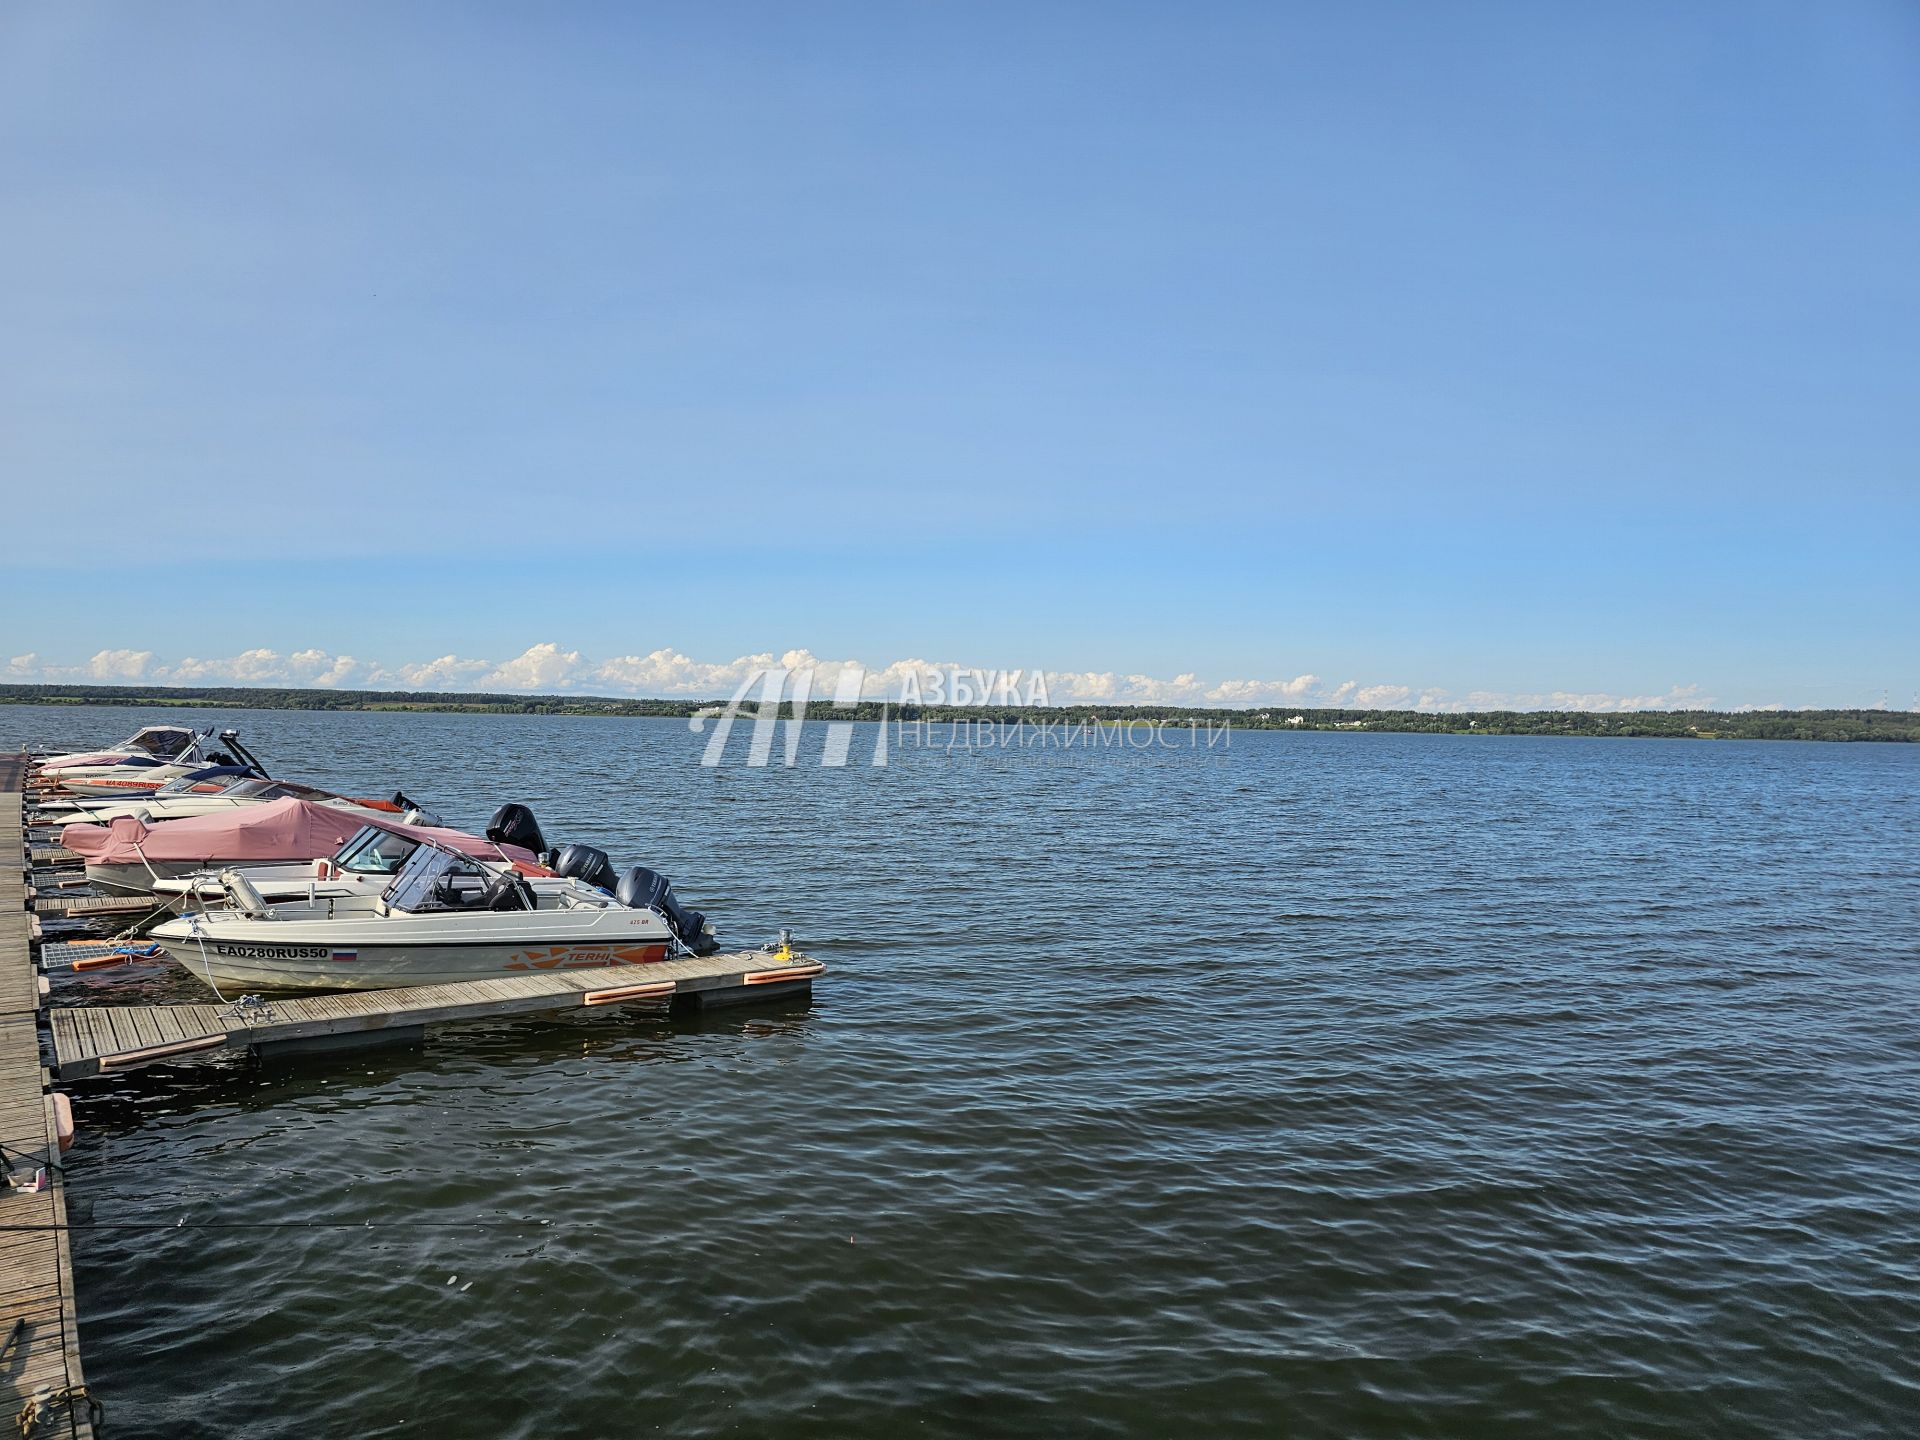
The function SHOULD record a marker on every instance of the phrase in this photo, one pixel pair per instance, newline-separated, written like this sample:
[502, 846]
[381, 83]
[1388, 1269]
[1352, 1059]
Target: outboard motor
[644, 889]
[515, 825]
[585, 864]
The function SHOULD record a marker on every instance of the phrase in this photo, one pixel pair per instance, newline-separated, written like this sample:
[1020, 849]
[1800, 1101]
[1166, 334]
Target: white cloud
[1255, 692]
[317, 667]
[1680, 697]
[263, 667]
[546, 668]
[111, 665]
[449, 672]
[543, 667]
[249, 667]
[1381, 697]
[668, 672]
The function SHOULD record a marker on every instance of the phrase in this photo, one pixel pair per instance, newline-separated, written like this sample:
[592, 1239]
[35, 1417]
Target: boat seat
[506, 892]
[450, 893]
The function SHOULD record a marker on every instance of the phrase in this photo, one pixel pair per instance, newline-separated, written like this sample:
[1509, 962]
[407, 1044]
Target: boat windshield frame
[369, 838]
[300, 791]
[133, 742]
[411, 889]
[195, 782]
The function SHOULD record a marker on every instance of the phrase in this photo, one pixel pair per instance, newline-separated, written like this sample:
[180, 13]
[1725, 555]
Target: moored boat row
[274, 885]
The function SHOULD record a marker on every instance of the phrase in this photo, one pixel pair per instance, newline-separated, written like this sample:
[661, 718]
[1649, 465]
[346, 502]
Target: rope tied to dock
[193, 928]
[249, 1009]
[43, 1402]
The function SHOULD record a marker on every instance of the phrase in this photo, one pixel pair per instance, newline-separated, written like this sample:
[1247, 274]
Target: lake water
[1313, 1085]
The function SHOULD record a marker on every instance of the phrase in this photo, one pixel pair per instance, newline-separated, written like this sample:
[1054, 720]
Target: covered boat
[129, 855]
[444, 916]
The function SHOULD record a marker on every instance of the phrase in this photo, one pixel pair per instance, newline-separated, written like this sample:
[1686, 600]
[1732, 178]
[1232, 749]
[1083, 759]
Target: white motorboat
[149, 760]
[155, 742]
[208, 780]
[442, 917]
[210, 792]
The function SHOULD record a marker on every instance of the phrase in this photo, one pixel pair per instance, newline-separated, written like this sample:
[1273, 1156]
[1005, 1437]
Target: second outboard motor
[586, 864]
[514, 825]
[644, 889]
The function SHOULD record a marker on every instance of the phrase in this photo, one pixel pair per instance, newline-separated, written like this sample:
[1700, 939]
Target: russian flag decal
[346, 955]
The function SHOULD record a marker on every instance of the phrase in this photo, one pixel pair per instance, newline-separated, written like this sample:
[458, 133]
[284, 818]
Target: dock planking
[86, 906]
[98, 1039]
[38, 1324]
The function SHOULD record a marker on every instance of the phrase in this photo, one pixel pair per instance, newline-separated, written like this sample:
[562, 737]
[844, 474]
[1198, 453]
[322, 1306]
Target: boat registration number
[271, 952]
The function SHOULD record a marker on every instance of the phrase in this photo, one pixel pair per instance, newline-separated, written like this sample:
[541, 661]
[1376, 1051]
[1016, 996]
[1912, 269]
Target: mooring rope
[193, 929]
[43, 1401]
[146, 862]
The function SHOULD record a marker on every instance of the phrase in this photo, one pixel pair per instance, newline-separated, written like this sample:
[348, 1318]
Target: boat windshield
[305, 792]
[162, 740]
[373, 851]
[212, 780]
[435, 879]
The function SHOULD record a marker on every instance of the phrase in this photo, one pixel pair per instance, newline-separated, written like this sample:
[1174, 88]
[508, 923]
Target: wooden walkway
[98, 1039]
[42, 1355]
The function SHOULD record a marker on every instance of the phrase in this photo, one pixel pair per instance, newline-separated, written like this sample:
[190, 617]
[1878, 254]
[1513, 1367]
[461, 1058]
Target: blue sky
[1491, 350]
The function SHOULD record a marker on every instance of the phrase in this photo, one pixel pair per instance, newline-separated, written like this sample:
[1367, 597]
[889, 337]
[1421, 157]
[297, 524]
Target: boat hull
[138, 879]
[248, 965]
[86, 782]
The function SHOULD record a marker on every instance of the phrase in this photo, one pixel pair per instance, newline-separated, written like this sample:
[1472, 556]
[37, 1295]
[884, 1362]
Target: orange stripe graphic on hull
[586, 957]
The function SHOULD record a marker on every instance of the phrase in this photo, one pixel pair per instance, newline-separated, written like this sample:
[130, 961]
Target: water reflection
[379, 1074]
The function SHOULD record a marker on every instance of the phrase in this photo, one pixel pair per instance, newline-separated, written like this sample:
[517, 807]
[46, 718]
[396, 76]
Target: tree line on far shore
[1892, 725]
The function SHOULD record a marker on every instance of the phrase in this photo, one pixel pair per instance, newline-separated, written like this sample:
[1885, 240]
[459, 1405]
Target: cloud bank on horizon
[548, 669]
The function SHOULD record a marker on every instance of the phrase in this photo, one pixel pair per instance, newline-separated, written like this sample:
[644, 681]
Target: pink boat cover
[272, 833]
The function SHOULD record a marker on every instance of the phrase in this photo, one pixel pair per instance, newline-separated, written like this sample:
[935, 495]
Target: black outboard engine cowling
[586, 864]
[644, 889]
[514, 825]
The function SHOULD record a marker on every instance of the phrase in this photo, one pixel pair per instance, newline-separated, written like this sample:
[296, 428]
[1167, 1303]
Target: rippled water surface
[1342, 1085]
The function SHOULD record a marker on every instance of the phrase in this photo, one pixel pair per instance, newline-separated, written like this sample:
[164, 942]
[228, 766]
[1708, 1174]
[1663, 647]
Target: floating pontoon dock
[100, 1038]
[40, 1357]
[39, 1337]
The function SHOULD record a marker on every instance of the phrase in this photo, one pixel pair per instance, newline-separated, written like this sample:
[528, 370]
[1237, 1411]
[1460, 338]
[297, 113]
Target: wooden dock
[87, 906]
[39, 1335]
[99, 1039]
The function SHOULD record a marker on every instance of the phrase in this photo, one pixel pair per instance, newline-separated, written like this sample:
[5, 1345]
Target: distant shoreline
[1898, 726]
